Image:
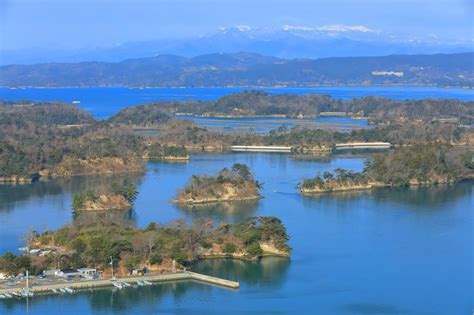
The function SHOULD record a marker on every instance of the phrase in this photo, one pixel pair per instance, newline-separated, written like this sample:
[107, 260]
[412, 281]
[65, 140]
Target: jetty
[90, 284]
[260, 148]
[363, 145]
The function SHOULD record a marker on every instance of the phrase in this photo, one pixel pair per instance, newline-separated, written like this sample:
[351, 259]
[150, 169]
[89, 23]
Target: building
[388, 73]
[88, 273]
[51, 272]
[68, 273]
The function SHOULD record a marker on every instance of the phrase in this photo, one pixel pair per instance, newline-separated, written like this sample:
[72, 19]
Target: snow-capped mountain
[286, 41]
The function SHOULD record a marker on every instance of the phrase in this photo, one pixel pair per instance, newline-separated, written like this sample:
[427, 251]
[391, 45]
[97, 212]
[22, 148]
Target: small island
[158, 248]
[119, 198]
[156, 151]
[421, 164]
[236, 183]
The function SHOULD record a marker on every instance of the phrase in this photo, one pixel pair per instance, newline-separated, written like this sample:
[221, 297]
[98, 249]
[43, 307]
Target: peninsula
[422, 164]
[154, 247]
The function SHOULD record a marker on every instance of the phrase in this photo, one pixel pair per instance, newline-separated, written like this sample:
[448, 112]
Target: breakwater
[89, 284]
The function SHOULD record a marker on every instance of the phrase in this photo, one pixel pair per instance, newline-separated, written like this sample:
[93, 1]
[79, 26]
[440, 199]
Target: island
[119, 198]
[236, 183]
[422, 164]
[156, 151]
[158, 248]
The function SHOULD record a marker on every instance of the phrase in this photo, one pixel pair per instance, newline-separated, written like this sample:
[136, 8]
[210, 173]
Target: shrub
[156, 259]
[254, 250]
[229, 248]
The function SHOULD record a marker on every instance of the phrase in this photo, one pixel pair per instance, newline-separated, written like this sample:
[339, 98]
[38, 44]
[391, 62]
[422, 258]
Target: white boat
[76, 102]
[140, 283]
[17, 294]
[117, 285]
[55, 290]
[62, 290]
[147, 282]
[69, 290]
[125, 284]
[2, 296]
[8, 295]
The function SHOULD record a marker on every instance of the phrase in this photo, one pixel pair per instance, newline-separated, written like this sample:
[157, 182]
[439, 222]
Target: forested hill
[247, 69]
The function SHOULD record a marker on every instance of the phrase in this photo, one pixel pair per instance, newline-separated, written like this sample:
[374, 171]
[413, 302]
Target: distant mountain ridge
[286, 41]
[248, 70]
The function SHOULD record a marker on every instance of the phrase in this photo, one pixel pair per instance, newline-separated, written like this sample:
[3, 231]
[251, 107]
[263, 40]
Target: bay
[387, 251]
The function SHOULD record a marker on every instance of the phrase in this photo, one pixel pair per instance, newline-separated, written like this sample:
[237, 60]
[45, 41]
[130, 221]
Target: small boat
[117, 285]
[62, 290]
[8, 295]
[147, 282]
[17, 294]
[69, 290]
[125, 284]
[140, 283]
[76, 102]
[55, 290]
[2, 296]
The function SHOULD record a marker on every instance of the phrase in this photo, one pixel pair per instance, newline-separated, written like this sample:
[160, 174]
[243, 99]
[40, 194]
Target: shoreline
[374, 185]
[213, 201]
[88, 284]
[241, 86]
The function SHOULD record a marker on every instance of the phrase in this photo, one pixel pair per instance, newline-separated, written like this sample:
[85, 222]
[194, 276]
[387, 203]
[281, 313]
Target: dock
[260, 148]
[89, 284]
[363, 145]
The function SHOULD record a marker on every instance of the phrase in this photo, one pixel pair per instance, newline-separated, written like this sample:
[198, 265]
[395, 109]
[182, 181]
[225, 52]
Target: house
[68, 273]
[51, 272]
[88, 273]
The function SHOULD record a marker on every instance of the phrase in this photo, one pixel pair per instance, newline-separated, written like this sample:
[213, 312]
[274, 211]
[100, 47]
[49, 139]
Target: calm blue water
[388, 251]
[104, 102]
[265, 124]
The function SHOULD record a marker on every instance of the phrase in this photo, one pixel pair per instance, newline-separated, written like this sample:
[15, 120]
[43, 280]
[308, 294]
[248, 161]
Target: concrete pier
[260, 148]
[88, 284]
[363, 145]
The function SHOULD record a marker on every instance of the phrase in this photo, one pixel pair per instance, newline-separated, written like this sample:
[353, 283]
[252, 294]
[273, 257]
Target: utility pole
[112, 264]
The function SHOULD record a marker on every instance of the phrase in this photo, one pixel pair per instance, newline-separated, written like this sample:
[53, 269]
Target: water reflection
[424, 197]
[11, 195]
[266, 272]
[269, 272]
[234, 211]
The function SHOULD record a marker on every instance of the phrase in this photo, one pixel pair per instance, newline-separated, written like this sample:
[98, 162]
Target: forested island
[262, 104]
[116, 198]
[422, 164]
[154, 247]
[236, 183]
[156, 151]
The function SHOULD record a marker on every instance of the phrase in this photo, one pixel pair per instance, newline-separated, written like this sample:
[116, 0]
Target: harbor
[119, 283]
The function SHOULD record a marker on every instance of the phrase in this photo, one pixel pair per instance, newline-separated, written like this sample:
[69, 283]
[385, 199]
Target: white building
[88, 273]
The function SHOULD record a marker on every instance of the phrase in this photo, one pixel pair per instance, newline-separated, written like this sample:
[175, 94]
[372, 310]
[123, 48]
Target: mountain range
[248, 70]
[286, 41]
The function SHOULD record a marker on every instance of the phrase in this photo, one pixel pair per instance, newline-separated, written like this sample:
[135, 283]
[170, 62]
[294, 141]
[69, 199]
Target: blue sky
[88, 23]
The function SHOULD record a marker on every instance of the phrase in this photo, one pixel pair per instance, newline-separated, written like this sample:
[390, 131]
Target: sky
[67, 24]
